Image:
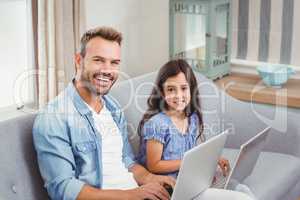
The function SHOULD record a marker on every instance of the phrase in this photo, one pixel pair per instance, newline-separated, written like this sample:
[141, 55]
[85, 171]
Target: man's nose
[106, 65]
[107, 68]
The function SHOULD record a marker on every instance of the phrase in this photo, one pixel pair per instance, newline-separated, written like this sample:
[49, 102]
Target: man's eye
[170, 89]
[98, 60]
[115, 63]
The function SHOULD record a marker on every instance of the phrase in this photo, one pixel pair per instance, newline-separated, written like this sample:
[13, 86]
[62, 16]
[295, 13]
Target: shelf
[249, 87]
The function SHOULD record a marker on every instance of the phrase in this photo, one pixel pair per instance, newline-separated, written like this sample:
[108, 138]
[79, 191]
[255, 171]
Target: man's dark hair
[106, 33]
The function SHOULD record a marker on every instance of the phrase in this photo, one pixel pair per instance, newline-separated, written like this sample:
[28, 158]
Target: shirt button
[14, 189]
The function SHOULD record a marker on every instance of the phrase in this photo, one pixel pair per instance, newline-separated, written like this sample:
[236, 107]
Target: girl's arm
[154, 163]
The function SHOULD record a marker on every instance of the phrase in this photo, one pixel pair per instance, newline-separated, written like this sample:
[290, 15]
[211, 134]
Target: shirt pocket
[85, 157]
[85, 147]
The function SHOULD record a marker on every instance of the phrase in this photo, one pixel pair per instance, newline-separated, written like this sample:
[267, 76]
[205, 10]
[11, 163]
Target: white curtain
[58, 25]
[266, 31]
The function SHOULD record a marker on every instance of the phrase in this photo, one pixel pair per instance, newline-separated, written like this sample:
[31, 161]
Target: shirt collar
[80, 104]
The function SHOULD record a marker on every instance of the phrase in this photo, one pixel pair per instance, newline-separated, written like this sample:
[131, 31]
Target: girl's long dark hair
[156, 102]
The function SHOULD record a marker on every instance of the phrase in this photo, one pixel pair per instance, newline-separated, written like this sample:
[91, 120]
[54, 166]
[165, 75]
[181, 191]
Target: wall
[145, 27]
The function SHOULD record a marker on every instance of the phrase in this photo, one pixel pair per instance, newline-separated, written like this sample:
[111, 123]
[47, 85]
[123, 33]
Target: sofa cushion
[19, 175]
[134, 103]
[273, 175]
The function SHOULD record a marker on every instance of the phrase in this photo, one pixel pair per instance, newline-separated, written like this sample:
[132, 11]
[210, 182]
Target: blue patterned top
[161, 128]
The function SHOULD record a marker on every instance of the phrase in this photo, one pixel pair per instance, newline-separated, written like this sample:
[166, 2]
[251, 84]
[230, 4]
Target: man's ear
[78, 60]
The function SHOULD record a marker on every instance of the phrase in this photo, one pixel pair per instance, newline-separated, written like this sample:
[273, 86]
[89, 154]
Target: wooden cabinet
[200, 32]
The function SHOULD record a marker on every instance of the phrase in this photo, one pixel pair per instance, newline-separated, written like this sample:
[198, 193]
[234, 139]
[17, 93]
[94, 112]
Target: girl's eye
[170, 89]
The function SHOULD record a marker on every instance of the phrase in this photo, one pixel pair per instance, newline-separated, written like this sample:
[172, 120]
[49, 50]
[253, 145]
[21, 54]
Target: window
[15, 84]
[266, 31]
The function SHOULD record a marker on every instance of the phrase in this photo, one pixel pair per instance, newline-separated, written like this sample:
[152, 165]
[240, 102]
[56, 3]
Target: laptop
[244, 162]
[198, 168]
[200, 163]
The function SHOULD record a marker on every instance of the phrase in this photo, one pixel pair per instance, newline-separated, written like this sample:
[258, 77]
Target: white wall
[145, 28]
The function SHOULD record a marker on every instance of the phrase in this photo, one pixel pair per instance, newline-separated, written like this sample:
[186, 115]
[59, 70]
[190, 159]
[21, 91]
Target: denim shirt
[161, 128]
[68, 144]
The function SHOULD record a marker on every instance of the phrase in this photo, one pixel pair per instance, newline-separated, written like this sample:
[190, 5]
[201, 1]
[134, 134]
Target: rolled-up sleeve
[55, 157]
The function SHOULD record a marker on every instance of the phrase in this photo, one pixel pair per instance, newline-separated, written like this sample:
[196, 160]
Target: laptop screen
[247, 158]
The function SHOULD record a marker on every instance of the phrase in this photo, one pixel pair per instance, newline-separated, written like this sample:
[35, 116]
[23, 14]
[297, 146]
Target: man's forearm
[90, 193]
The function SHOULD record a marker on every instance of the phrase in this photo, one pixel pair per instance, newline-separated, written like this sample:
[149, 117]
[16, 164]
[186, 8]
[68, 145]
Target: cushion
[20, 178]
[273, 175]
[138, 90]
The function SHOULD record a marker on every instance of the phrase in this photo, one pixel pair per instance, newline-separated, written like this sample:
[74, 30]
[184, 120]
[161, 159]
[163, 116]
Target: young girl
[173, 122]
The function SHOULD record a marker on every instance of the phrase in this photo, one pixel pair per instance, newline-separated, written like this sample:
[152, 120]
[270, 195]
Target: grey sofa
[19, 175]
[275, 177]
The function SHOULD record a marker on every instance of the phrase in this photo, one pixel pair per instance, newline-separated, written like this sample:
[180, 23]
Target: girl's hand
[224, 165]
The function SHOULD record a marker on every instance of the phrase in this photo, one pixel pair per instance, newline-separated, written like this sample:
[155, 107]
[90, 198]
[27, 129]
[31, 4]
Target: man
[72, 134]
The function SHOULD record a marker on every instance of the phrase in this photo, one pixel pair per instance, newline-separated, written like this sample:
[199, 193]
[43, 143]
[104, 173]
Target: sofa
[19, 174]
[276, 175]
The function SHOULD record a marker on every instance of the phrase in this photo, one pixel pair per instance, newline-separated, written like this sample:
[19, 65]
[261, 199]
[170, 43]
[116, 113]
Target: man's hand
[151, 191]
[224, 165]
[162, 180]
[142, 176]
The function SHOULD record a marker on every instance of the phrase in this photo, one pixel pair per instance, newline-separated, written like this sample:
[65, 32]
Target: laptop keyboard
[220, 180]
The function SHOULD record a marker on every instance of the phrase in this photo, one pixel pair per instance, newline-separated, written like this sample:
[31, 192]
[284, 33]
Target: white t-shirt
[115, 175]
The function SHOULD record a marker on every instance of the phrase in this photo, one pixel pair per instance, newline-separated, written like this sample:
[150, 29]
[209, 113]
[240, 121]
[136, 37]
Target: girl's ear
[161, 92]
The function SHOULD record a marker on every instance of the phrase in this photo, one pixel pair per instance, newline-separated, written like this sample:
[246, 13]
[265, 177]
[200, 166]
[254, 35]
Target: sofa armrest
[246, 120]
